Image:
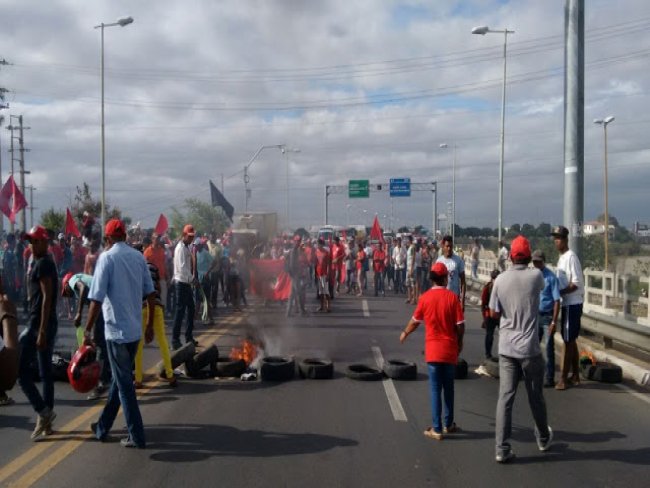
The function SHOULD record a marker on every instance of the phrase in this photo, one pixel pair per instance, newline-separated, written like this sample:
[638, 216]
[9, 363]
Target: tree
[403, 229]
[203, 216]
[84, 202]
[528, 230]
[543, 229]
[53, 220]
[612, 220]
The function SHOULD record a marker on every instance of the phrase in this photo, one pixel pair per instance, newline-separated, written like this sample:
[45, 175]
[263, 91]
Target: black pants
[184, 300]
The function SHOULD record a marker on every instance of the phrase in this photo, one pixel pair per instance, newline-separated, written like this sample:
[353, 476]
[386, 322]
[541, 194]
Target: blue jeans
[379, 282]
[400, 274]
[475, 269]
[441, 378]
[184, 300]
[102, 354]
[30, 353]
[544, 324]
[122, 392]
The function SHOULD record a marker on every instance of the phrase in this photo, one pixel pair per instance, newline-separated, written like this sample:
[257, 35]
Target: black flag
[218, 200]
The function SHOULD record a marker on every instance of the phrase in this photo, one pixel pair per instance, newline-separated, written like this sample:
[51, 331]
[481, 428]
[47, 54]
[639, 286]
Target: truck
[253, 228]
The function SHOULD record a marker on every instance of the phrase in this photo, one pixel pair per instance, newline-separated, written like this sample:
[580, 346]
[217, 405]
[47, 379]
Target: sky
[357, 90]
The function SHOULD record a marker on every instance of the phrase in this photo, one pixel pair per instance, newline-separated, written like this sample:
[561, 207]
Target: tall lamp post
[123, 22]
[605, 122]
[286, 150]
[453, 192]
[247, 178]
[482, 31]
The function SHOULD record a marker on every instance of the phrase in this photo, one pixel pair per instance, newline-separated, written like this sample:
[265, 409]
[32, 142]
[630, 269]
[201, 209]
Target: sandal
[560, 386]
[433, 434]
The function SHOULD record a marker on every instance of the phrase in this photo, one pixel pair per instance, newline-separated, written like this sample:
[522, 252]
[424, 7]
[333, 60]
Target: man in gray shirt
[515, 301]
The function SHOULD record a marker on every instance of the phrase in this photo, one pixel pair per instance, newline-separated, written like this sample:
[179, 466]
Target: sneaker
[128, 442]
[433, 434]
[43, 423]
[544, 444]
[452, 429]
[97, 392]
[504, 457]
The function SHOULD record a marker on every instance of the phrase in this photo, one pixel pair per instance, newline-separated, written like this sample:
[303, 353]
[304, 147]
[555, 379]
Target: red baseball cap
[37, 233]
[520, 248]
[115, 227]
[188, 230]
[439, 269]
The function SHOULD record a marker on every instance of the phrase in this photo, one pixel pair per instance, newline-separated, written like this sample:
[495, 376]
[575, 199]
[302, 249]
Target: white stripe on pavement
[393, 400]
[366, 310]
[633, 392]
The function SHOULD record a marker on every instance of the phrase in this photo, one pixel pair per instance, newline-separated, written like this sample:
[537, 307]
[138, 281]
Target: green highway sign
[358, 189]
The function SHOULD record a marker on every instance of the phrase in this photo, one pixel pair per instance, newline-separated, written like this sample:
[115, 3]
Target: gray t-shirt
[515, 295]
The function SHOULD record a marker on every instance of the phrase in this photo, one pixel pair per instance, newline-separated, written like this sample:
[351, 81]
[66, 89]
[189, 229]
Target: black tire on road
[461, 369]
[603, 372]
[361, 372]
[277, 368]
[228, 368]
[492, 366]
[397, 369]
[316, 369]
[207, 357]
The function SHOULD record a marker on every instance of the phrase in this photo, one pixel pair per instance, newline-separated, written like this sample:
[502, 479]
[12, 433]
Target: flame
[247, 351]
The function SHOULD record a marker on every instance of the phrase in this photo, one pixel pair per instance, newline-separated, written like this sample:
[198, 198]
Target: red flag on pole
[162, 225]
[375, 232]
[70, 225]
[11, 192]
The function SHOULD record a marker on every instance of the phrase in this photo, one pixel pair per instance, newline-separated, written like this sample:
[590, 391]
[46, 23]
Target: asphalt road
[336, 432]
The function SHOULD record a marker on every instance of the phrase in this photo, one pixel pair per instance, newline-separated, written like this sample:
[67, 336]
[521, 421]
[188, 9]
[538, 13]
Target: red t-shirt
[379, 261]
[441, 312]
[322, 262]
[361, 257]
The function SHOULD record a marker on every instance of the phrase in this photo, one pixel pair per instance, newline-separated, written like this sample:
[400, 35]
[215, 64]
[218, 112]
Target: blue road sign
[400, 187]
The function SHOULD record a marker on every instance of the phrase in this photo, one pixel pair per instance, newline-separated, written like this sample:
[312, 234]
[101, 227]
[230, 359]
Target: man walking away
[443, 319]
[549, 309]
[37, 340]
[184, 278]
[515, 301]
[572, 290]
[120, 282]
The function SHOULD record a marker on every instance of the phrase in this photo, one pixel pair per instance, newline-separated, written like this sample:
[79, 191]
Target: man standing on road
[184, 278]
[572, 290]
[296, 266]
[445, 326]
[378, 267]
[398, 258]
[549, 309]
[37, 340]
[120, 282]
[456, 268]
[502, 256]
[410, 270]
[476, 252]
[323, 265]
[515, 301]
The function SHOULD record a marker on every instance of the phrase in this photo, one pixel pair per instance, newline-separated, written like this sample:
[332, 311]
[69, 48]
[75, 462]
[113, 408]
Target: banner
[11, 193]
[268, 279]
[218, 200]
[71, 228]
[162, 225]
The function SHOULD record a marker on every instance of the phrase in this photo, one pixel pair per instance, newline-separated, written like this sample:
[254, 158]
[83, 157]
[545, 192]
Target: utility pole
[31, 206]
[12, 226]
[23, 213]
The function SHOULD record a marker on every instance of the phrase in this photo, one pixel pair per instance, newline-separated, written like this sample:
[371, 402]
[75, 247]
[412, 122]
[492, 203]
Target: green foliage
[403, 229]
[53, 220]
[203, 216]
[84, 202]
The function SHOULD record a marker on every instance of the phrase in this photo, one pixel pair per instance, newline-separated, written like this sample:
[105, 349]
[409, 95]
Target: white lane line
[393, 400]
[633, 392]
[366, 310]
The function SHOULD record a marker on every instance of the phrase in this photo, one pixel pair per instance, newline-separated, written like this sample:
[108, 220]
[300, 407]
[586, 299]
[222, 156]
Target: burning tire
[178, 357]
[400, 370]
[461, 369]
[361, 372]
[603, 372]
[316, 369]
[277, 368]
[207, 357]
[226, 367]
[491, 365]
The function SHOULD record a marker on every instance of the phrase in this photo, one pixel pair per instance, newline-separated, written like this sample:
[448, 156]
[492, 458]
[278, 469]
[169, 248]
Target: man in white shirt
[456, 268]
[502, 257]
[572, 291]
[399, 264]
[184, 278]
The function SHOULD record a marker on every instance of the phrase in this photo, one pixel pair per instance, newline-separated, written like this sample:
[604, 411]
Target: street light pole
[605, 122]
[482, 31]
[286, 150]
[123, 22]
[247, 178]
[453, 192]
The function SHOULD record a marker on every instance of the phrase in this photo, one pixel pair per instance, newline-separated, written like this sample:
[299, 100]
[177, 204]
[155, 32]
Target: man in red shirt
[444, 324]
[323, 268]
[338, 252]
[378, 268]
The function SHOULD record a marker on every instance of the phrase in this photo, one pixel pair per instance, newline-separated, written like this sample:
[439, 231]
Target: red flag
[375, 232]
[10, 192]
[162, 225]
[268, 279]
[70, 225]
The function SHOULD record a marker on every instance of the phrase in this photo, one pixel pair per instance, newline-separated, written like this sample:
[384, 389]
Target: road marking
[64, 450]
[633, 392]
[391, 393]
[366, 310]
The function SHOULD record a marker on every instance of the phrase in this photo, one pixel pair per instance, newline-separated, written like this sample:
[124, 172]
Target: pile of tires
[194, 367]
[316, 369]
[277, 368]
[230, 368]
[362, 372]
[398, 369]
[603, 372]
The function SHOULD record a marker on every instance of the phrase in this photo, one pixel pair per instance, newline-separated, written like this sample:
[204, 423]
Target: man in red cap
[444, 324]
[37, 340]
[184, 278]
[515, 303]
